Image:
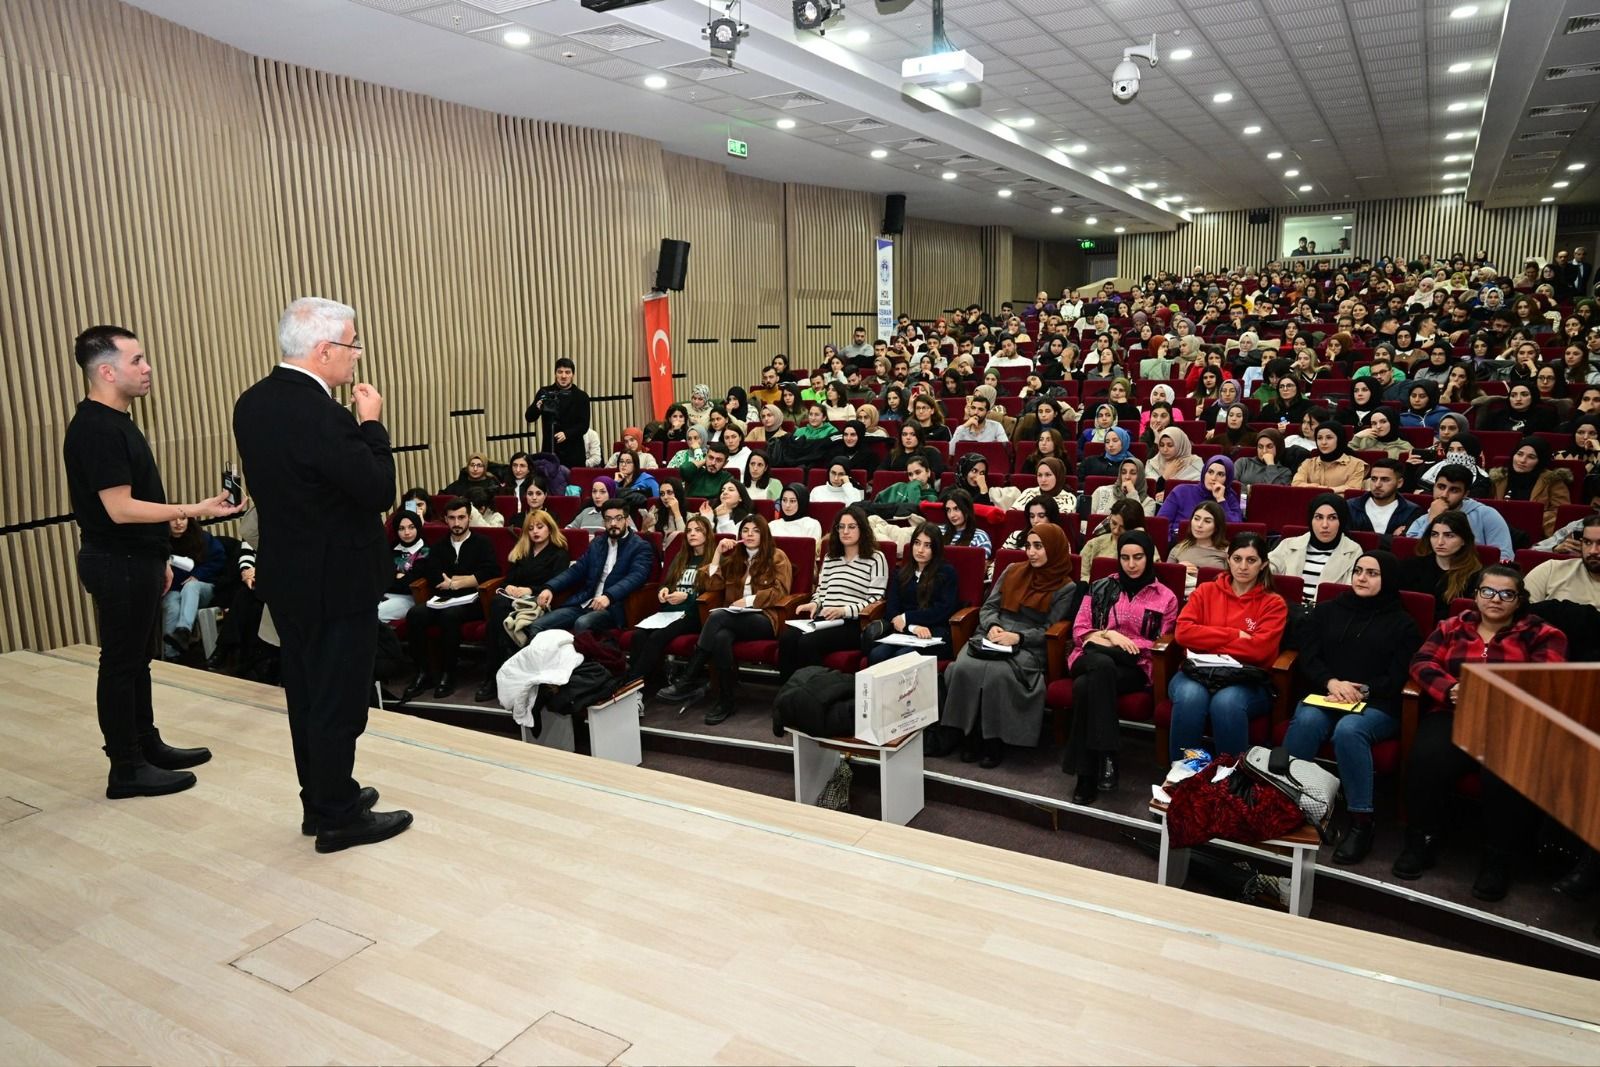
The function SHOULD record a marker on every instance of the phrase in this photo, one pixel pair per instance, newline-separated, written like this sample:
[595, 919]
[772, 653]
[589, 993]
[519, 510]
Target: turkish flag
[658, 352]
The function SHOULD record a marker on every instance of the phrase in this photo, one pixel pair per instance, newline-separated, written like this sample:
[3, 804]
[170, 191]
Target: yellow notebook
[1333, 705]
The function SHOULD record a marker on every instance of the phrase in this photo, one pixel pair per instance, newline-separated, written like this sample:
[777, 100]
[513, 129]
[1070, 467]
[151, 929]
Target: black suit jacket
[321, 484]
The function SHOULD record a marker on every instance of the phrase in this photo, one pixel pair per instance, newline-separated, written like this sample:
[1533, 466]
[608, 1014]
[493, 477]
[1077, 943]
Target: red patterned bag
[1239, 808]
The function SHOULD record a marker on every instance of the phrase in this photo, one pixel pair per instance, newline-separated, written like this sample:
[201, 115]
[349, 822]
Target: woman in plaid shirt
[1499, 630]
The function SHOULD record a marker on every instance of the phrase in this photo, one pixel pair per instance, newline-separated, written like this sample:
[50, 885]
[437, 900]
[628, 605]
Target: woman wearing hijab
[794, 519]
[770, 428]
[1529, 476]
[1324, 553]
[1117, 623]
[1332, 466]
[994, 692]
[1105, 420]
[868, 414]
[1234, 430]
[1364, 400]
[1051, 474]
[737, 405]
[1357, 649]
[1216, 483]
[1119, 445]
[972, 474]
[1129, 485]
[1173, 462]
[851, 445]
[1422, 405]
[1382, 435]
[1585, 448]
[699, 406]
[1266, 467]
[1522, 412]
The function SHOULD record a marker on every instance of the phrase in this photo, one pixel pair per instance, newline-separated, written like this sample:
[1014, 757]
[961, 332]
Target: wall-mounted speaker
[1260, 217]
[894, 213]
[673, 266]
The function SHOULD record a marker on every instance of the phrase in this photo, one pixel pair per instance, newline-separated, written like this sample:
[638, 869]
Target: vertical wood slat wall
[1401, 227]
[938, 267]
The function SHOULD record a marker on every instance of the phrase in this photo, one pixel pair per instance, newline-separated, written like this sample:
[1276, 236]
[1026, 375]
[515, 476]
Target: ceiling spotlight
[1118, 169]
[1547, 200]
[723, 34]
[517, 38]
[1274, 155]
[1452, 189]
[1176, 199]
[1455, 158]
[1149, 185]
[1197, 210]
[1221, 98]
[655, 81]
[785, 124]
[1058, 209]
[1338, 218]
[880, 153]
[1004, 194]
[1465, 105]
[949, 175]
[956, 87]
[1291, 174]
[1120, 229]
[1251, 131]
[1559, 185]
[858, 37]
[1576, 166]
[811, 14]
[1459, 68]
[1078, 148]
[1305, 188]
[1090, 221]
[1181, 54]
[1458, 135]
[1465, 11]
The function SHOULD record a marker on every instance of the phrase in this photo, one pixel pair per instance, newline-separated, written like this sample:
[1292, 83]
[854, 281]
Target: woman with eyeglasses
[1497, 629]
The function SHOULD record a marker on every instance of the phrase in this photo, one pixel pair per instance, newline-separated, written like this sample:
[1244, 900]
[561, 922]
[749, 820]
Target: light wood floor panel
[550, 906]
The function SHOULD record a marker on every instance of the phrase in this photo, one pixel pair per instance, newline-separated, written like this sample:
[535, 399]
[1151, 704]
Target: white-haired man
[321, 482]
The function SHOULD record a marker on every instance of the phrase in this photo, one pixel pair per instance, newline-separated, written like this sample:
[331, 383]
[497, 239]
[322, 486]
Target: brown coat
[768, 590]
[1553, 490]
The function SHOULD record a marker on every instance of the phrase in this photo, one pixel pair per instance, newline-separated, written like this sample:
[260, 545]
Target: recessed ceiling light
[1077, 148]
[1465, 105]
[1559, 185]
[858, 37]
[949, 175]
[1459, 68]
[1305, 188]
[1274, 155]
[1458, 135]
[1058, 209]
[1452, 189]
[1291, 174]
[1118, 169]
[880, 153]
[1176, 199]
[1338, 218]
[1149, 185]
[1455, 158]
[1181, 53]
[1004, 194]
[1090, 221]
[1221, 98]
[656, 81]
[1197, 210]
[1547, 200]
[1023, 123]
[1251, 131]
[1452, 176]
[517, 38]
[785, 124]
[1576, 166]
[956, 87]
[1120, 229]
[1465, 11]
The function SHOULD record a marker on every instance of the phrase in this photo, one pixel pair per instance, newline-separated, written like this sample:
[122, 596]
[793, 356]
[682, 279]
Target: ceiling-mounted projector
[942, 68]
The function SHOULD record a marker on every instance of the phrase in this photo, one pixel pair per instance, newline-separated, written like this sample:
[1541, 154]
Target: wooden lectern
[1537, 726]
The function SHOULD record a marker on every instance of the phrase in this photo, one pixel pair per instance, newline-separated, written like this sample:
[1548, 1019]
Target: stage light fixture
[811, 14]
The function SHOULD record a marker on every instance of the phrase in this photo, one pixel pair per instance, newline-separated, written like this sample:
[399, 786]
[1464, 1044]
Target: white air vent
[1524, 157]
[614, 38]
[458, 18]
[398, 7]
[918, 144]
[1501, 187]
[703, 70]
[962, 161]
[1526, 172]
[1552, 110]
[1547, 135]
[1581, 70]
[790, 101]
[1583, 23]
[859, 125]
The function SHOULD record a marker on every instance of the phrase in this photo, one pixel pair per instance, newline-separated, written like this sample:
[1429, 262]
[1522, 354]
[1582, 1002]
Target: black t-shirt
[105, 449]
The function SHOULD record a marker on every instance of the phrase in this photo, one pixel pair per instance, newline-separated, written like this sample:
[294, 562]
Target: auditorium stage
[550, 908]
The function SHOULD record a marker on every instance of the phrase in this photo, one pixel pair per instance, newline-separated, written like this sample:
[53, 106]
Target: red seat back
[1524, 515]
[802, 555]
[971, 565]
[1418, 605]
[1171, 575]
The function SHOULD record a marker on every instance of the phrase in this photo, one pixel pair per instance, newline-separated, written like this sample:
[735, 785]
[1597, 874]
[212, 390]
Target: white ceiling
[1355, 94]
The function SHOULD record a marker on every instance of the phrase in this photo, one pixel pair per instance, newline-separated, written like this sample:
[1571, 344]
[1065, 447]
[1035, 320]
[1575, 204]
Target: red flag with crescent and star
[658, 351]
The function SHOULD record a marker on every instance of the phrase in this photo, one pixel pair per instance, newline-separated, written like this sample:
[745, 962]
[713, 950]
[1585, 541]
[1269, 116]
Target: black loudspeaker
[1260, 218]
[894, 213]
[672, 266]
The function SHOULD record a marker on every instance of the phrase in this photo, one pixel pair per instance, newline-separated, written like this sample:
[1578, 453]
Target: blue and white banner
[885, 287]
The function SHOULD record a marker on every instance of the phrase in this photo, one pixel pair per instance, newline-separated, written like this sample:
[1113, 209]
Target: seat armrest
[486, 592]
[1410, 716]
[419, 590]
[962, 626]
[1165, 656]
[1283, 686]
[873, 612]
[1057, 643]
[707, 602]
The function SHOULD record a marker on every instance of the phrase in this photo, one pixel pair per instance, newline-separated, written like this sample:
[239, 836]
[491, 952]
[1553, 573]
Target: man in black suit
[321, 481]
[1580, 273]
[562, 412]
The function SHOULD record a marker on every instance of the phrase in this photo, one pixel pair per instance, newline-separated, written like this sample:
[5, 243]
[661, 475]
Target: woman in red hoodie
[1237, 615]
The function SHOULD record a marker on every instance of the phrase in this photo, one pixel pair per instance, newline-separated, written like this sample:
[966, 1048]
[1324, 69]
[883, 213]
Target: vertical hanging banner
[885, 274]
[658, 352]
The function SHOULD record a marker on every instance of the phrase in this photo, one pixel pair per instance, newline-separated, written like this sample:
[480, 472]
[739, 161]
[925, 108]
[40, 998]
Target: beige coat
[1346, 472]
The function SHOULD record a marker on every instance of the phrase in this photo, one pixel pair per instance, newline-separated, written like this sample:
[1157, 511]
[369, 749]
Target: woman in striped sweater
[853, 579]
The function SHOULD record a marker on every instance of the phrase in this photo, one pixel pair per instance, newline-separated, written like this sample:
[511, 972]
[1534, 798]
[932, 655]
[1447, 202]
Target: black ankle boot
[994, 752]
[1417, 856]
[158, 753]
[1494, 876]
[689, 684]
[1108, 773]
[143, 780]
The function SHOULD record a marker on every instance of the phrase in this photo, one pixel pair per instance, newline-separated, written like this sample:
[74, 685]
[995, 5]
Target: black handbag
[1216, 679]
[976, 650]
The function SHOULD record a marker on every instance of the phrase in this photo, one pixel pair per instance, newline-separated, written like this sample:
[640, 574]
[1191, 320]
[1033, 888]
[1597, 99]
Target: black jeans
[127, 599]
[722, 630]
[1436, 765]
[797, 648]
[650, 646]
[327, 679]
[449, 622]
[1097, 681]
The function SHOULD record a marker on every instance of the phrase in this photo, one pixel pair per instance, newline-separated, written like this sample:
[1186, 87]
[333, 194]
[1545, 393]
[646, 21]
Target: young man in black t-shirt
[122, 514]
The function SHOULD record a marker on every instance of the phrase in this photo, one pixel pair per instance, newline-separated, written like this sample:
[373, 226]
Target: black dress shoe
[1583, 881]
[1108, 773]
[719, 714]
[1085, 791]
[368, 828]
[364, 802]
[486, 691]
[143, 780]
[994, 753]
[422, 682]
[1355, 844]
[1416, 857]
[446, 686]
[1494, 877]
[158, 753]
[971, 748]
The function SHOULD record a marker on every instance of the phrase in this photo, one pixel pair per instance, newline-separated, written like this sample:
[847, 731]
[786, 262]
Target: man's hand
[1570, 546]
[1437, 508]
[545, 597]
[248, 577]
[561, 437]
[367, 402]
[600, 603]
[216, 507]
[166, 582]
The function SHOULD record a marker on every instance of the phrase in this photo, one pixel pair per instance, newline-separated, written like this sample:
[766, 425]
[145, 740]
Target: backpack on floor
[816, 701]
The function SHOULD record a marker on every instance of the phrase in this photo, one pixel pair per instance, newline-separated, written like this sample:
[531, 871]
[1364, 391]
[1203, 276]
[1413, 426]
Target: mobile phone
[230, 483]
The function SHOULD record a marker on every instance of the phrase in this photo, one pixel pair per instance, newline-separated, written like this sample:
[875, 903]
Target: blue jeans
[179, 609]
[1353, 738]
[1228, 710]
[571, 617]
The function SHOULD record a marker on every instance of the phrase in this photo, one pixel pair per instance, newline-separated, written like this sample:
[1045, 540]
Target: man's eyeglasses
[341, 344]
[1505, 596]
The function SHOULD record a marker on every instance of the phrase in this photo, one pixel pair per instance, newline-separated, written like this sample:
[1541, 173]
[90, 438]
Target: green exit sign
[738, 148]
[1087, 244]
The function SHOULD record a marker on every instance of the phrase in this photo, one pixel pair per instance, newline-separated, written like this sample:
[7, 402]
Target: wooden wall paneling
[997, 250]
[1024, 270]
[1061, 265]
[938, 267]
[699, 209]
[830, 253]
[757, 273]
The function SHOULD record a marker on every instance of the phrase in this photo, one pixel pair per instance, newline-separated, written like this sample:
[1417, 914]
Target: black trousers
[1431, 775]
[327, 679]
[1097, 681]
[722, 630]
[449, 622]
[495, 638]
[797, 649]
[649, 647]
[127, 599]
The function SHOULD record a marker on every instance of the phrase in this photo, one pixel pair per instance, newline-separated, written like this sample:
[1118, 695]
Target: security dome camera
[1125, 79]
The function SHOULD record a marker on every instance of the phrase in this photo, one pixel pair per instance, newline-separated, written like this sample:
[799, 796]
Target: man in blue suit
[613, 567]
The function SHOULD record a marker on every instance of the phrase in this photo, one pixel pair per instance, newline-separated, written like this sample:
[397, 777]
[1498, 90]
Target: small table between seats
[899, 770]
[613, 728]
[1172, 864]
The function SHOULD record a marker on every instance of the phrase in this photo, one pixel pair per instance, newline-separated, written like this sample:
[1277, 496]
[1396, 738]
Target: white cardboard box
[896, 697]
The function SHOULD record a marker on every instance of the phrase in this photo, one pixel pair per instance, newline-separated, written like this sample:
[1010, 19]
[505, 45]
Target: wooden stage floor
[550, 908]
